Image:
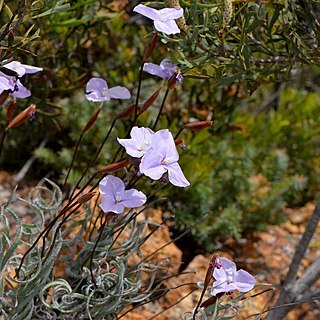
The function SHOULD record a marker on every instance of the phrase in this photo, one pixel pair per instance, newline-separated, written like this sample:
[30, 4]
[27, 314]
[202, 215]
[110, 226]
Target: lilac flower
[163, 19]
[21, 69]
[139, 143]
[229, 279]
[165, 70]
[17, 89]
[163, 157]
[116, 198]
[98, 91]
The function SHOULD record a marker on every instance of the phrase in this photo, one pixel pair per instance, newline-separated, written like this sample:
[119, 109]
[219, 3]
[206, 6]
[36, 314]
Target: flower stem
[161, 108]
[4, 134]
[72, 161]
[95, 246]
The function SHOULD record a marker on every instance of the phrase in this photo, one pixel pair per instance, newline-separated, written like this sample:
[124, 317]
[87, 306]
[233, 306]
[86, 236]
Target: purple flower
[116, 198]
[165, 70]
[21, 69]
[17, 89]
[97, 90]
[163, 19]
[139, 143]
[229, 279]
[163, 157]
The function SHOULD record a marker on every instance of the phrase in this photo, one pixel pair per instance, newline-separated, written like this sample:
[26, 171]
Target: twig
[288, 294]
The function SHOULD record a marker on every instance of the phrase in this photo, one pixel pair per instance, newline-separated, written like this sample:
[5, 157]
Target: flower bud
[11, 109]
[197, 126]
[3, 96]
[173, 80]
[180, 143]
[22, 117]
[91, 121]
[150, 47]
[211, 300]
[113, 167]
[150, 101]
[126, 112]
[86, 197]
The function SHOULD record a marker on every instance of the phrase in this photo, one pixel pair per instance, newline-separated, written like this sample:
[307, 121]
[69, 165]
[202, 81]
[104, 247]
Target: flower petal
[96, 84]
[119, 93]
[150, 13]
[131, 147]
[22, 91]
[111, 185]
[97, 90]
[141, 134]
[133, 198]
[163, 142]
[171, 13]
[155, 70]
[228, 264]
[31, 69]
[17, 67]
[220, 275]
[168, 27]
[4, 84]
[223, 287]
[151, 165]
[95, 97]
[243, 281]
[176, 176]
[109, 205]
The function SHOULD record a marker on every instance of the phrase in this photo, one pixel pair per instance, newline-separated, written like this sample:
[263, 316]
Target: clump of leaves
[122, 275]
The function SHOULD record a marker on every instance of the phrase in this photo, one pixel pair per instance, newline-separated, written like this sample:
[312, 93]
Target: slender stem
[138, 96]
[94, 248]
[90, 222]
[178, 133]
[4, 134]
[94, 224]
[72, 161]
[161, 108]
[58, 228]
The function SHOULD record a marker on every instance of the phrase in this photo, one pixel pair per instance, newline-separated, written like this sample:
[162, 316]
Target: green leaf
[59, 7]
[230, 79]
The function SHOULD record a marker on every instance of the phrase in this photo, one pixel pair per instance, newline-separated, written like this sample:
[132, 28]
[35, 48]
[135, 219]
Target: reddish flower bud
[180, 143]
[197, 126]
[3, 96]
[113, 167]
[211, 300]
[11, 109]
[150, 101]
[126, 112]
[86, 197]
[22, 117]
[91, 121]
[150, 47]
[173, 80]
